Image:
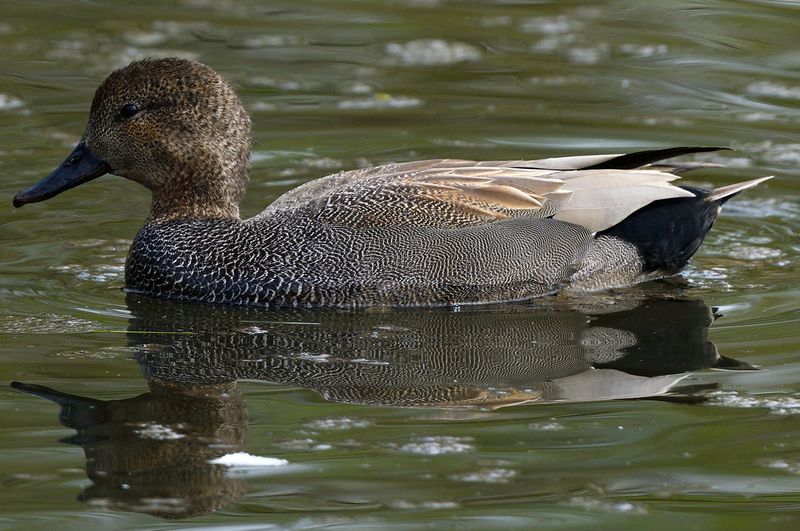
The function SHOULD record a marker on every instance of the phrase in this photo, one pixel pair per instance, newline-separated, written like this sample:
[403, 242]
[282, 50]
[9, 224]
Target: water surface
[671, 404]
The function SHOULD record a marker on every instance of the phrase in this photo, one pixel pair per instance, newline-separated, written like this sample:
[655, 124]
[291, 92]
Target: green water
[497, 417]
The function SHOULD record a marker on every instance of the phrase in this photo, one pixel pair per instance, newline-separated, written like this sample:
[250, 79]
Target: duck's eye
[129, 110]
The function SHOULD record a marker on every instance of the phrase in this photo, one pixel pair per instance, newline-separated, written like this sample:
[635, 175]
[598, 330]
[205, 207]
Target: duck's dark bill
[79, 167]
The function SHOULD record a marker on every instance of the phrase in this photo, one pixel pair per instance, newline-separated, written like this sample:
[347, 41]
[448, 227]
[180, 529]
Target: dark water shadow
[151, 453]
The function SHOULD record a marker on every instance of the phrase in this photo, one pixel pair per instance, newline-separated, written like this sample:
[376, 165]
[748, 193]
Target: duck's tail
[668, 232]
[722, 194]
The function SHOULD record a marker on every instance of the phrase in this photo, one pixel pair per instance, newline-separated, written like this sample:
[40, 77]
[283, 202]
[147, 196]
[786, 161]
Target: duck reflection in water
[152, 453]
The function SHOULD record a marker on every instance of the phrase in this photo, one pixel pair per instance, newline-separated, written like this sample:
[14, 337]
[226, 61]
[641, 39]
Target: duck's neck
[212, 194]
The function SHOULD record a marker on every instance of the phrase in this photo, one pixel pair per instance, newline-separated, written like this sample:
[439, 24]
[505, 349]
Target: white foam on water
[380, 101]
[438, 445]
[774, 90]
[781, 405]
[245, 460]
[434, 505]
[593, 504]
[337, 423]
[486, 475]
[8, 103]
[431, 52]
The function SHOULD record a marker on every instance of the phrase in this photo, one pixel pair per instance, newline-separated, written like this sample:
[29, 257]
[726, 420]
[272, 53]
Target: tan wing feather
[490, 189]
[507, 196]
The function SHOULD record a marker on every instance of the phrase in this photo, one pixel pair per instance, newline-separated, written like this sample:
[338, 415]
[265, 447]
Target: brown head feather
[189, 142]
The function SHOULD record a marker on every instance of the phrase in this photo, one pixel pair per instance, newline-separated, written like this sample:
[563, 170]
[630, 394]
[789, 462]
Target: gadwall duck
[426, 233]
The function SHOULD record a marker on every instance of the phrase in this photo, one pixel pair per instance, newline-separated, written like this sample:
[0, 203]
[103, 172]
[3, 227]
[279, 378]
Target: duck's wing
[447, 193]
[595, 199]
[437, 193]
[441, 192]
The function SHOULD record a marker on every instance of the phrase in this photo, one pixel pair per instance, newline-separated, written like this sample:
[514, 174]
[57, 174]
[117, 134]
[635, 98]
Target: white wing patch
[603, 198]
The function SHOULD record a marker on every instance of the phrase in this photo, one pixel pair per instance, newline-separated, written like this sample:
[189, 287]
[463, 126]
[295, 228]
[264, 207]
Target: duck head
[172, 125]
